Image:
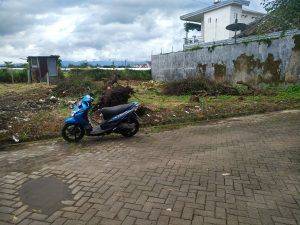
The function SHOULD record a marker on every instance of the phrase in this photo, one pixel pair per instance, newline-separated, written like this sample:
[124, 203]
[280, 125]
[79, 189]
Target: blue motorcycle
[120, 119]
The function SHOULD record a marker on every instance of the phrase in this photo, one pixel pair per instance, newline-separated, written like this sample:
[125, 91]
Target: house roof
[196, 15]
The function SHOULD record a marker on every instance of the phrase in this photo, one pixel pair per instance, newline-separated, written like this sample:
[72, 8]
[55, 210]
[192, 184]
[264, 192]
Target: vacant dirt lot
[32, 112]
[236, 171]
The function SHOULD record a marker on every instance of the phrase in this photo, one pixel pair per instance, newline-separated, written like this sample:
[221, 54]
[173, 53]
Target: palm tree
[9, 65]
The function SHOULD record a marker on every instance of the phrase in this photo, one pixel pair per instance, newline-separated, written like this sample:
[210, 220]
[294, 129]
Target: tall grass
[18, 75]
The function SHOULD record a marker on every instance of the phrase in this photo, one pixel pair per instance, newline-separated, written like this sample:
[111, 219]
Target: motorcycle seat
[110, 112]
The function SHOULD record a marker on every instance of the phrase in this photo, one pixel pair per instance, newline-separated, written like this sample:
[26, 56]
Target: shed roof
[196, 15]
[50, 56]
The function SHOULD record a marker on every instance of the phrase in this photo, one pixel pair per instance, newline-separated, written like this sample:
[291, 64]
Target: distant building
[146, 65]
[43, 69]
[216, 17]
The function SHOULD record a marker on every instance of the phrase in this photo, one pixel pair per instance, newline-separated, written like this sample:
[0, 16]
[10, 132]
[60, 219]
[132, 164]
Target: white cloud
[257, 5]
[93, 29]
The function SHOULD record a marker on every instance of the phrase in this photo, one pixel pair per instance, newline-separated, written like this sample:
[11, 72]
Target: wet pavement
[236, 171]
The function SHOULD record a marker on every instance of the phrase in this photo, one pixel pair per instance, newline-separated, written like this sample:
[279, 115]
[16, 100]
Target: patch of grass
[170, 110]
[226, 97]
[289, 92]
[160, 101]
[42, 124]
[165, 111]
[135, 74]
[21, 87]
[150, 94]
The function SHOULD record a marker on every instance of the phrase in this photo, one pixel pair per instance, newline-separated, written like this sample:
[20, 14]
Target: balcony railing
[193, 40]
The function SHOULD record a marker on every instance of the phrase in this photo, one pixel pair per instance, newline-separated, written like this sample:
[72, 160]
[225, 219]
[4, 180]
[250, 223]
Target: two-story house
[216, 17]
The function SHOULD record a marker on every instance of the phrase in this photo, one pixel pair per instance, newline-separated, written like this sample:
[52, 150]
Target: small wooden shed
[43, 69]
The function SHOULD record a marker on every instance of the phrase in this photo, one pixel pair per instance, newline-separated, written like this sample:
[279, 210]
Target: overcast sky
[93, 29]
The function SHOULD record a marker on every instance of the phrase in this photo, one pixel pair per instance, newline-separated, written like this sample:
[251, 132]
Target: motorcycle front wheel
[72, 132]
[131, 132]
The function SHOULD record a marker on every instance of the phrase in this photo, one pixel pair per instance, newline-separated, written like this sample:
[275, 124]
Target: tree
[25, 65]
[283, 14]
[84, 64]
[192, 26]
[59, 63]
[8, 66]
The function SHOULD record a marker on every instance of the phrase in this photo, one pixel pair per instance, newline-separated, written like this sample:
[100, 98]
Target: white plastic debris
[53, 99]
[71, 102]
[225, 174]
[16, 138]
[187, 112]
[169, 209]
[14, 218]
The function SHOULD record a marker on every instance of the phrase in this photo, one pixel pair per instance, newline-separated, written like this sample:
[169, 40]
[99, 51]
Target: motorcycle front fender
[71, 120]
[77, 121]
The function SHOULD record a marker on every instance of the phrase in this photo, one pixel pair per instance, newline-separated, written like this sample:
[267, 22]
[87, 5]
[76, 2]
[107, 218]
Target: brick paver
[237, 171]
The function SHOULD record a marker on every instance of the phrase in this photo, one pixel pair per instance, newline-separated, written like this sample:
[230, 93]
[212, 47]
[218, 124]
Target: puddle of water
[45, 194]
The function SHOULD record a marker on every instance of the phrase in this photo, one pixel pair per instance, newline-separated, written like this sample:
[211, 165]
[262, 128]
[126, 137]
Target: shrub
[75, 87]
[135, 74]
[198, 85]
[18, 75]
[100, 74]
[95, 74]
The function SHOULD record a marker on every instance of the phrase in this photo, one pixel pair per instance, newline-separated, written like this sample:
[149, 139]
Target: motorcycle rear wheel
[72, 132]
[131, 132]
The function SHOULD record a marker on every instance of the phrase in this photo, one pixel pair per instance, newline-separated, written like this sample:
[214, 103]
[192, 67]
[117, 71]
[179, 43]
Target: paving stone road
[237, 171]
